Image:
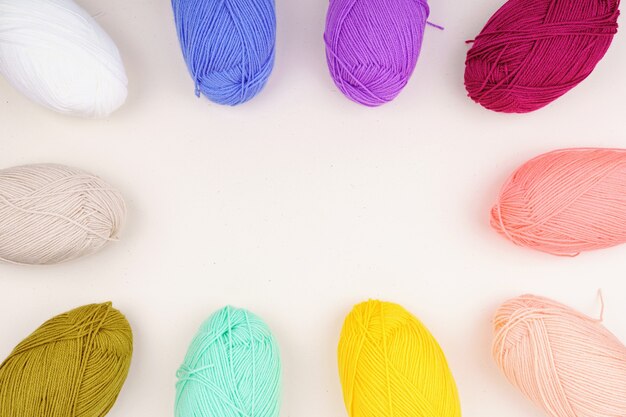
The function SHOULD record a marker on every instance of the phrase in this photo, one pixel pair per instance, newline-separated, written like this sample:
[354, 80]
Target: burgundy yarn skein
[531, 52]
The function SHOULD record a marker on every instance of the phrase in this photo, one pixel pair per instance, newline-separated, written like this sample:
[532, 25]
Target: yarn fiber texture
[57, 55]
[75, 364]
[568, 364]
[229, 46]
[232, 369]
[531, 52]
[390, 365]
[565, 202]
[53, 213]
[372, 46]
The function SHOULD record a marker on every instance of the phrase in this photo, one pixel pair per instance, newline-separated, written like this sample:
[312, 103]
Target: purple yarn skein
[372, 46]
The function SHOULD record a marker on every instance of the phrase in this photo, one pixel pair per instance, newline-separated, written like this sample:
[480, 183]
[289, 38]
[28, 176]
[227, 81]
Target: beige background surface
[300, 203]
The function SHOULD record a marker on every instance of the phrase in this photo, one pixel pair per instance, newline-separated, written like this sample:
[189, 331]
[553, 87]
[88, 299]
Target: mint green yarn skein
[232, 369]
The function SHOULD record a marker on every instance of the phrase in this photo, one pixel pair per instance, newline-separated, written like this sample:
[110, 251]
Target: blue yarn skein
[232, 369]
[228, 45]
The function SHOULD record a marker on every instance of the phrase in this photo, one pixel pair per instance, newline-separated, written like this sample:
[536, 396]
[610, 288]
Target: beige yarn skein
[53, 213]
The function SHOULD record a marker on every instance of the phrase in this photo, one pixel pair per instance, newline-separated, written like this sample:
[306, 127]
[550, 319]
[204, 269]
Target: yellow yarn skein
[73, 365]
[391, 366]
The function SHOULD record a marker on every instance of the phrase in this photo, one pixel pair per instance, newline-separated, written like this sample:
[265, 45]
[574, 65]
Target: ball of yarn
[228, 46]
[232, 369]
[390, 365]
[372, 46]
[75, 364]
[57, 55]
[565, 202]
[568, 364]
[53, 213]
[531, 52]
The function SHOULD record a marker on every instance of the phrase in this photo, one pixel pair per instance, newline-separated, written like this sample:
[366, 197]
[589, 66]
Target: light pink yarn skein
[567, 363]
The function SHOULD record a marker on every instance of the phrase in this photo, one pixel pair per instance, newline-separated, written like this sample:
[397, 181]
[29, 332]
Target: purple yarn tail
[435, 25]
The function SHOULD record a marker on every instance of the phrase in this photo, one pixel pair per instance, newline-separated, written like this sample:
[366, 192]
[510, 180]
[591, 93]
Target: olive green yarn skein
[73, 365]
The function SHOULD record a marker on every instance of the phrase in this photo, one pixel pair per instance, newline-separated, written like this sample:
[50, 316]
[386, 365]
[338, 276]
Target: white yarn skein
[57, 55]
[53, 213]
